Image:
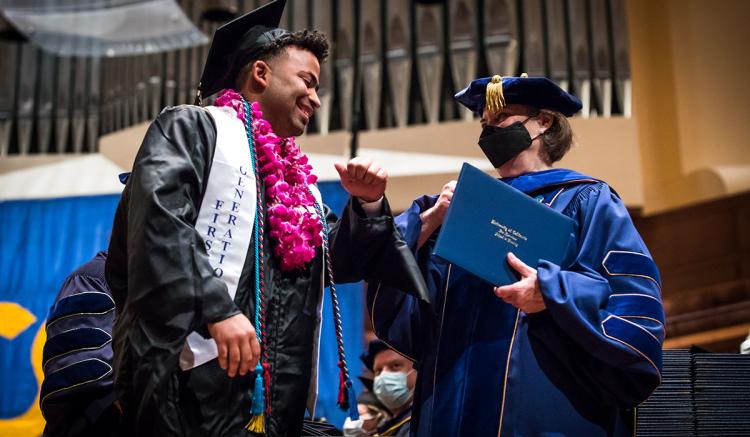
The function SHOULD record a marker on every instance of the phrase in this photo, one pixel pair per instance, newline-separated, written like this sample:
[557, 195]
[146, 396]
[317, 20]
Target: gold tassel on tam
[494, 98]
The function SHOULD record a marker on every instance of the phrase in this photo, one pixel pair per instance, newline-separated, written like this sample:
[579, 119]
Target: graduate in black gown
[215, 340]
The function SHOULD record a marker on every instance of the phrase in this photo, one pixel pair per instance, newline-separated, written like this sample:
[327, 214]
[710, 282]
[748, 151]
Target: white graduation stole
[226, 218]
[225, 221]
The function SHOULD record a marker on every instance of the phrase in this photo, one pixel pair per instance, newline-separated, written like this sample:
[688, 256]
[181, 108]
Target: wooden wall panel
[703, 253]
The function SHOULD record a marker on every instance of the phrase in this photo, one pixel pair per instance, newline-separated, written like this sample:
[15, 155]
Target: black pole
[357, 82]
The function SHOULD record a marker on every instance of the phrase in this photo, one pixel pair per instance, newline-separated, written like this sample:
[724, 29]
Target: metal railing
[412, 57]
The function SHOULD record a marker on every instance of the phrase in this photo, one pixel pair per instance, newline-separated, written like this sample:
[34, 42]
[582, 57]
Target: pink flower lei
[294, 226]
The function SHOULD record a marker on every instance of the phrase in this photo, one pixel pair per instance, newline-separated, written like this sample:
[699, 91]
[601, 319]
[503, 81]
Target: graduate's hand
[363, 178]
[524, 294]
[237, 343]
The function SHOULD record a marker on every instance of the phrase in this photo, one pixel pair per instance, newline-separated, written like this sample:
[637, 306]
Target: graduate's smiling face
[286, 86]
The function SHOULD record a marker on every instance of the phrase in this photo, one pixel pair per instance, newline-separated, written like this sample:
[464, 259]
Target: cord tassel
[267, 383]
[257, 422]
[342, 400]
[353, 411]
[256, 425]
[347, 399]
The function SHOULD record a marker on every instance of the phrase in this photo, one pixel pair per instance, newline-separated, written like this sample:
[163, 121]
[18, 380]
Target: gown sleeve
[372, 249]
[604, 318]
[171, 288]
[78, 397]
[399, 317]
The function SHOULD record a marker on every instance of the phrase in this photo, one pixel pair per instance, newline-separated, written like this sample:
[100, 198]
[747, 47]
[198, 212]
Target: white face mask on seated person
[392, 389]
[355, 428]
[370, 419]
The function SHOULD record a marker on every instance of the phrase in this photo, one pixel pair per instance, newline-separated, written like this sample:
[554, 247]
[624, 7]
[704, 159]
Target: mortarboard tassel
[494, 97]
[257, 422]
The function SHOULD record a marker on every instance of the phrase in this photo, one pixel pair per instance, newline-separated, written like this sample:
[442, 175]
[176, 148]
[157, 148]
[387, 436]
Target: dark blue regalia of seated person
[576, 368]
[77, 395]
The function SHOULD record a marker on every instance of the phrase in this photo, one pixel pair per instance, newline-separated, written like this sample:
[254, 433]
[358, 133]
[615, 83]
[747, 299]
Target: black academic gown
[164, 288]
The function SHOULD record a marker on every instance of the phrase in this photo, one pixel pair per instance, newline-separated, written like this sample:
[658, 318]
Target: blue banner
[42, 242]
[352, 302]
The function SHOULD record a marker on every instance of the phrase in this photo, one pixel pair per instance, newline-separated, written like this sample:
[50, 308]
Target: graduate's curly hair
[314, 41]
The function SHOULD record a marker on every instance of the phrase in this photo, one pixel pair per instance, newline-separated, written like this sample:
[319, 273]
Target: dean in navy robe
[577, 368]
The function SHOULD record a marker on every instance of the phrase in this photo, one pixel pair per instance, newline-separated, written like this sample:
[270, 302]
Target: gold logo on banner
[15, 320]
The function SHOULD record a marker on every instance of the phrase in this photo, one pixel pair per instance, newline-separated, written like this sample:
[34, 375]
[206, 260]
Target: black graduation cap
[238, 41]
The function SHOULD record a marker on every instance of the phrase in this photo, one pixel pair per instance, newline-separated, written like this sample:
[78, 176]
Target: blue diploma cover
[488, 218]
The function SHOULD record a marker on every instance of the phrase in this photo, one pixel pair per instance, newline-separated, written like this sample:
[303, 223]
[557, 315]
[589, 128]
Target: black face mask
[501, 144]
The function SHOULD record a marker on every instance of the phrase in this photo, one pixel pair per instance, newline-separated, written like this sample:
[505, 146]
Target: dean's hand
[238, 344]
[363, 178]
[524, 294]
[437, 213]
[432, 218]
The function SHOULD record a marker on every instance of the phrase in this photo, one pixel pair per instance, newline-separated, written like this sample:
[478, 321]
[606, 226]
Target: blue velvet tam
[538, 92]
[375, 347]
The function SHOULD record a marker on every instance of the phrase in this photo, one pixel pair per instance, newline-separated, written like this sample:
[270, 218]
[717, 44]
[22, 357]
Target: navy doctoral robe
[398, 426]
[577, 368]
[76, 397]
